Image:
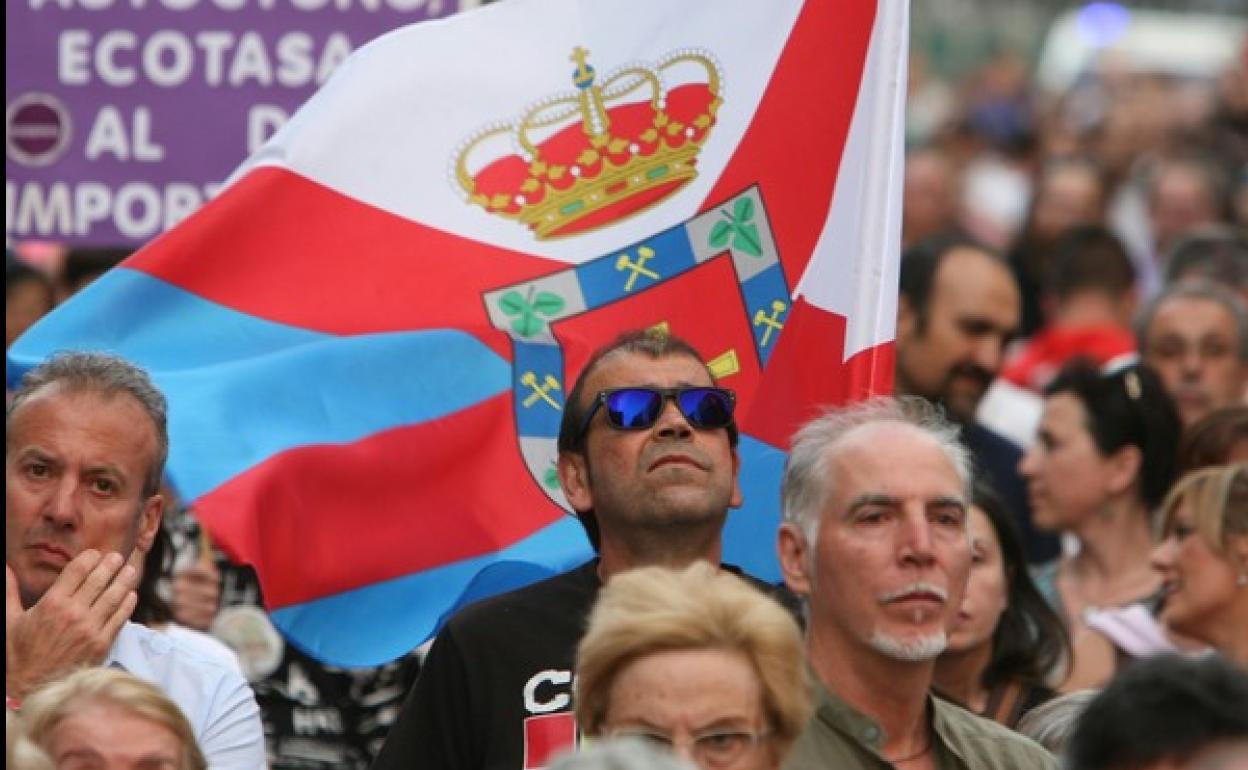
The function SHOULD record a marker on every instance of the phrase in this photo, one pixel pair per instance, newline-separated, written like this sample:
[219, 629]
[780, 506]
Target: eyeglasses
[711, 749]
[639, 408]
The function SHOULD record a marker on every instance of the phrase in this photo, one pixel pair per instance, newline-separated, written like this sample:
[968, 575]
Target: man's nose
[672, 422]
[1027, 463]
[989, 353]
[1192, 362]
[685, 751]
[1163, 554]
[916, 543]
[63, 504]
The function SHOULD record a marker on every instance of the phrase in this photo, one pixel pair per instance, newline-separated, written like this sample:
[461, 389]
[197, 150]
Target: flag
[367, 337]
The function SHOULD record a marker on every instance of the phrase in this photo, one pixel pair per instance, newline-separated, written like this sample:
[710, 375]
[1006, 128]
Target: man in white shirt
[85, 447]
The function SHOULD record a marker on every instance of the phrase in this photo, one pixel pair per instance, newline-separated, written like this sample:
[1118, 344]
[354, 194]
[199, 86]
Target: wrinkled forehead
[118, 412]
[891, 458]
[624, 368]
[1192, 316]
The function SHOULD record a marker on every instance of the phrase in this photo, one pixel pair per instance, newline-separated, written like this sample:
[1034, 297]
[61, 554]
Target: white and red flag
[368, 336]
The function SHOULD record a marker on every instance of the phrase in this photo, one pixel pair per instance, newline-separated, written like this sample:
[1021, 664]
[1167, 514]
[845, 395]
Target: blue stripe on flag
[155, 324]
[363, 628]
[242, 389]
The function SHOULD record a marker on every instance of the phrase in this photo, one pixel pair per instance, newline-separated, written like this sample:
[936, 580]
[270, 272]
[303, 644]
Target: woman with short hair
[695, 660]
[107, 718]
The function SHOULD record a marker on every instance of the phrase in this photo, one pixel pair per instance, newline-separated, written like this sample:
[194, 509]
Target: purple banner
[123, 116]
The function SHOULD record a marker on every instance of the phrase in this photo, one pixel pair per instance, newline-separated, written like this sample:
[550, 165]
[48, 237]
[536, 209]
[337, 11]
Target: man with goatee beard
[875, 542]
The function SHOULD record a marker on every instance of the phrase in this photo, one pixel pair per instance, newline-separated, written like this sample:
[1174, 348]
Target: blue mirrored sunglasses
[639, 408]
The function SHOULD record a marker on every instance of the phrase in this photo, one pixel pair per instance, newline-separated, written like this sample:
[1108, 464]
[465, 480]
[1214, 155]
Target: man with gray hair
[85, 448]
[875, 541]
[1195, 335]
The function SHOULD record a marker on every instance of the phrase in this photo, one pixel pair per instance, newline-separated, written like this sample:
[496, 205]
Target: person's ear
[1124, 469]
[795, 558]
[149, 522]
[907, 319]
[737, 497]
[573, 470]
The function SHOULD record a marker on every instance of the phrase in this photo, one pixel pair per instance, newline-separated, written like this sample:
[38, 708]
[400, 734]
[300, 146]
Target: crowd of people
[1036, 550]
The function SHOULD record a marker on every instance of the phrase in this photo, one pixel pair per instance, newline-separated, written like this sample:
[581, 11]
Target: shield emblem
[723, 261]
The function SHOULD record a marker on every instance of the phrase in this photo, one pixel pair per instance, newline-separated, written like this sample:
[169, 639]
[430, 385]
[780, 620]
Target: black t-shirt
[495, 691]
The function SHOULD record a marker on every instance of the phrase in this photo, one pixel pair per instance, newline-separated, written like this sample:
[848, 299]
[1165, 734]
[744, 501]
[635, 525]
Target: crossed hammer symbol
[772, 322]
[541, 391]
[638, 268]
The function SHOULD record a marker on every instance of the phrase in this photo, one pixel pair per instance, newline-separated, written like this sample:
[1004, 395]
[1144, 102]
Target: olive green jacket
[838, 737]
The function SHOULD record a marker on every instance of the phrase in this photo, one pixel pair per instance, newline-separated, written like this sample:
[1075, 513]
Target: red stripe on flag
[794, 143]
[806, 373]
[390, 504]
[282, 247]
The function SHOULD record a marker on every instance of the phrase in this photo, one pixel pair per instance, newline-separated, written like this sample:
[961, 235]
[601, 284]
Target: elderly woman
[108, 719]
[1203, 559]
[1103, 461]
[696, 661]
[1007, 642]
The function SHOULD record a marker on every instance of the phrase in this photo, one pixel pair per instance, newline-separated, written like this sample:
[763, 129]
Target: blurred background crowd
[1101, 150]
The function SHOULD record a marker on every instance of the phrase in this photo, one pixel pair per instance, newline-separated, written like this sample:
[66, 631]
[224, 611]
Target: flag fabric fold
[368, 336]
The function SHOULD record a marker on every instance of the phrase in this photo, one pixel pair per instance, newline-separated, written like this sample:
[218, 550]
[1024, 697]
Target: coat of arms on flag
[368, 336]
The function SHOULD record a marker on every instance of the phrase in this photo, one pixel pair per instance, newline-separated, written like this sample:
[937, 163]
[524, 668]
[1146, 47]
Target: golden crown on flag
[583, 159]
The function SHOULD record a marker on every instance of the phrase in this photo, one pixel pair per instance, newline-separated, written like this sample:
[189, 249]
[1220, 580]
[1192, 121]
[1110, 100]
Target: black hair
[1164, 708]
[1030, 641]
[644, 342]
[1127, 406]
[1090, 257]
[17, 272]
[919, 265]
[84, 263]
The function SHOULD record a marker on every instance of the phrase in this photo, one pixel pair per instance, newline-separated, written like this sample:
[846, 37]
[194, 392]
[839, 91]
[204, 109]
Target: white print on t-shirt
[549, 701]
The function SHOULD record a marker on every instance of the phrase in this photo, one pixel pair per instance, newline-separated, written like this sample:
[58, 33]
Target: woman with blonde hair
[697, 661]
[108, 719]
[1203, 559]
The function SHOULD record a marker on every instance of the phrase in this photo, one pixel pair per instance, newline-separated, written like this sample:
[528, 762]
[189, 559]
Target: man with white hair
[875, 541]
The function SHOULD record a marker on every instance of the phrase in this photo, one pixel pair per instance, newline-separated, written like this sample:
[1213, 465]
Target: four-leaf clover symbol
[526, 309]
[551, 478]
[739, 228]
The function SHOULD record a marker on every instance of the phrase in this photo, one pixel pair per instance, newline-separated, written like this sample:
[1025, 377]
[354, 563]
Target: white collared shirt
[217, 701]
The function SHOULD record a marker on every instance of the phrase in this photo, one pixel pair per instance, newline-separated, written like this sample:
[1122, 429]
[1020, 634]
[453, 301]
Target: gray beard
[919, 650]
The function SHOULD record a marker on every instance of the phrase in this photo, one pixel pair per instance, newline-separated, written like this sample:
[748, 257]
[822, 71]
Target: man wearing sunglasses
[648, 459]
